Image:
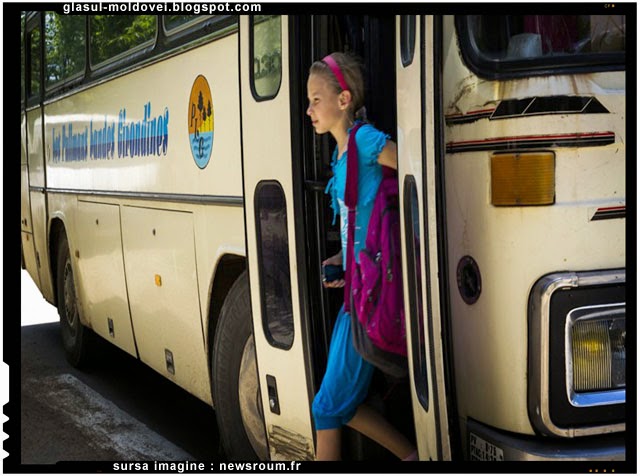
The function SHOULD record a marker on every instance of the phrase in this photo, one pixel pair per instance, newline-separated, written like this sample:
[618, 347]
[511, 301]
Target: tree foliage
[64, 46]
[112, 35]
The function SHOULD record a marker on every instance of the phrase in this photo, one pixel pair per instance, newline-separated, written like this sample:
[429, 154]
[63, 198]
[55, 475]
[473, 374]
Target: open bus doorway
[372, 40]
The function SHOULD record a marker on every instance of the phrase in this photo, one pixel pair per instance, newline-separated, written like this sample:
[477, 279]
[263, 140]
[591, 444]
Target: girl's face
[327, 109]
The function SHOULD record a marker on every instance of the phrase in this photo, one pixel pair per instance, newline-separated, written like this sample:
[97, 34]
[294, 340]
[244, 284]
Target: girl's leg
[344, 386]
[328, 443]
[373, 425]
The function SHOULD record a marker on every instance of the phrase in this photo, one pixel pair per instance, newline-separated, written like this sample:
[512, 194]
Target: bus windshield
[507, 43]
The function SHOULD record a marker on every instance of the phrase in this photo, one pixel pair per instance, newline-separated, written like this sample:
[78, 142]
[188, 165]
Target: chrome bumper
[485, 443]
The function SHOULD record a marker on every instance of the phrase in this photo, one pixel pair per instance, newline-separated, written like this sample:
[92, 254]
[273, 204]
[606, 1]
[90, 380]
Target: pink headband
[333, 66]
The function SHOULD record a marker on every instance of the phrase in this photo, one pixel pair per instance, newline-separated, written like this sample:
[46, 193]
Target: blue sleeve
[370, 142]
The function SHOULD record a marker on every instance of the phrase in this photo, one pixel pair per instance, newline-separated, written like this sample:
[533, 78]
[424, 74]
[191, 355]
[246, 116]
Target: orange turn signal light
[519, 179]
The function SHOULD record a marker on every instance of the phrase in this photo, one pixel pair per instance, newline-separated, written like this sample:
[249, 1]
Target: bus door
[280, 339]
[34, 220]
[27, 247]
[417, 91]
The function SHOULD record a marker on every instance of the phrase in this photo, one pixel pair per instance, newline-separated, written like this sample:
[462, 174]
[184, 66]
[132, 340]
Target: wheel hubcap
[70, 306]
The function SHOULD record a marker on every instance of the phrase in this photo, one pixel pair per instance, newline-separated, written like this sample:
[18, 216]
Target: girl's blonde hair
[351, 68]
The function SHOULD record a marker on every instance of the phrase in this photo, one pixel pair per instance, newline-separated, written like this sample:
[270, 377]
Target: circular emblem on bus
[201, 121]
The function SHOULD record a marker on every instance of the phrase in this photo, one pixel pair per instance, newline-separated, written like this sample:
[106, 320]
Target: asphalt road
[117, 410]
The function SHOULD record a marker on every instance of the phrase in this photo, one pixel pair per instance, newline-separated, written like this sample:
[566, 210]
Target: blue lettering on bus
[74, 144]
[56, 142]
[150, 136]
[104, 139]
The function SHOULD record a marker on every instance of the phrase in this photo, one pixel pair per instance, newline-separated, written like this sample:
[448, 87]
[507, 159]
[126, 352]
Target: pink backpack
[373, 289]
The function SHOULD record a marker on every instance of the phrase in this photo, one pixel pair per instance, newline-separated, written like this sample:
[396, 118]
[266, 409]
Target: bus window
[22, 17]
[407, 38]
[273, 262]
[176, 23]
[64, 47]
[114, 36]
[498, 45]
[266, 47]
[33, 45]
[414, 278]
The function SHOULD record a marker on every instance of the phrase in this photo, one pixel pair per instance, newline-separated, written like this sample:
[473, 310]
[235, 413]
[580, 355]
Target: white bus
[172, 197]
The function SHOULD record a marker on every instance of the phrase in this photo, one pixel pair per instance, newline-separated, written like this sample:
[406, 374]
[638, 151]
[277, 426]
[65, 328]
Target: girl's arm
[389, 155]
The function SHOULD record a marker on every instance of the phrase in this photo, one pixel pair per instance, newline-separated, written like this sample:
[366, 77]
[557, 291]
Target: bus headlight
[596, 357]
[577, 353]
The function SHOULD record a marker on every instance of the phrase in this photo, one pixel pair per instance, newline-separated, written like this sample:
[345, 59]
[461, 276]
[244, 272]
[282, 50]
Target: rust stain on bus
[289, 446]
[465, 86]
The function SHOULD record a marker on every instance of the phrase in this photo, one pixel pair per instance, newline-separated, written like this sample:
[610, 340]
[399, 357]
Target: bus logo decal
[201, 121]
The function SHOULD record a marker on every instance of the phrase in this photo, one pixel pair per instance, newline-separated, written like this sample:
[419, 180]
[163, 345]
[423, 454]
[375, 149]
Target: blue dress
[346, 381]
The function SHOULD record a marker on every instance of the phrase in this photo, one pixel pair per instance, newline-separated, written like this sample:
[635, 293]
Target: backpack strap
[351, 200]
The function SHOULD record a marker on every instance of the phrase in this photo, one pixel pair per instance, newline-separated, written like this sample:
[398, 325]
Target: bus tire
[235, 389]
[75, 336]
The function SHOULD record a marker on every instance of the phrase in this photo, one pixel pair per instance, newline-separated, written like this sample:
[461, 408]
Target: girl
[335, 90]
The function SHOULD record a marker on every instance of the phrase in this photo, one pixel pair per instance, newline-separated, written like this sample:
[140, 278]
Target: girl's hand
[338, 283]
[337, 261]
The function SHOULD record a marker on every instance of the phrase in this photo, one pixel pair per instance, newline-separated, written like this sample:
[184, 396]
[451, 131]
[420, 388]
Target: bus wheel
[75, 336]
[236, 393]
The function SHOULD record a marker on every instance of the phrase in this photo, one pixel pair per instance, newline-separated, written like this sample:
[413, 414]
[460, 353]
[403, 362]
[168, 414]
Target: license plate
[482, 450]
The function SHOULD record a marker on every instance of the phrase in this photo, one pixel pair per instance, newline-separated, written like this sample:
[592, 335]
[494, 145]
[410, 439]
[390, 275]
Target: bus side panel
[101, 281]
[37, 201]
[28, 247]
[219, 231]
[134, 134]
[129, 140]
[160, 265]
